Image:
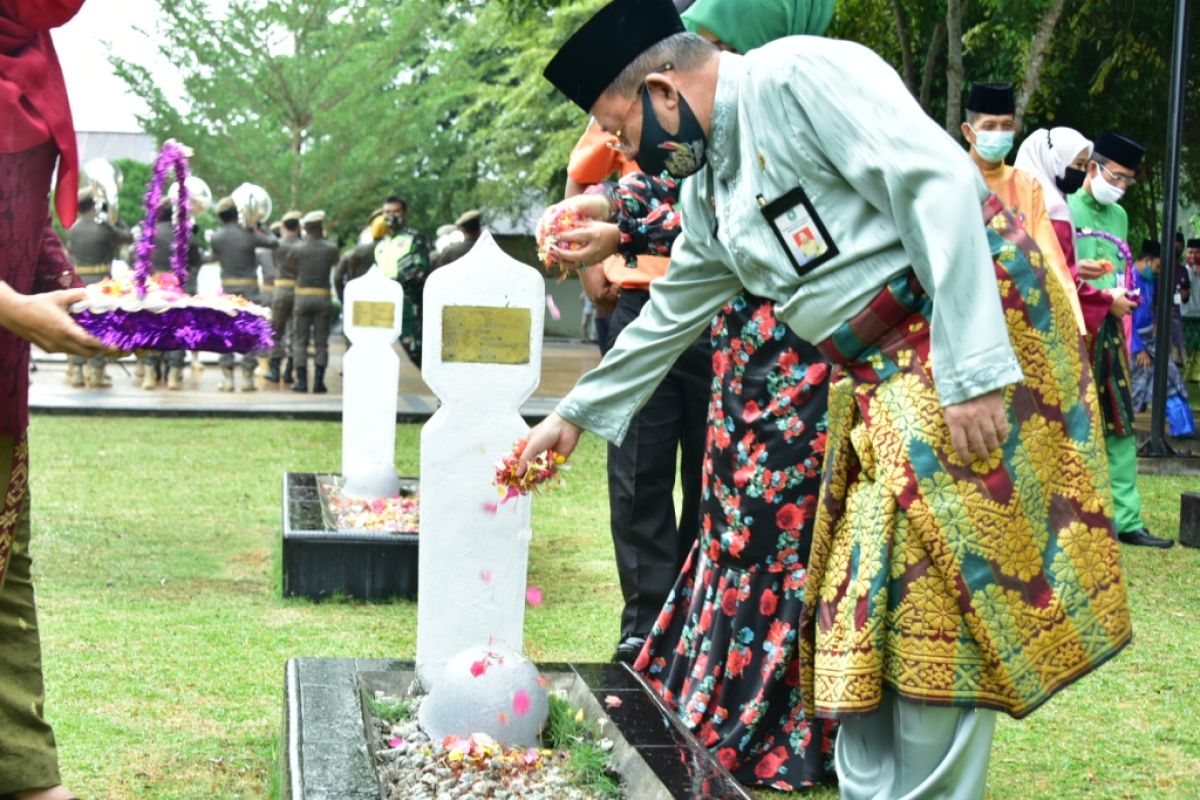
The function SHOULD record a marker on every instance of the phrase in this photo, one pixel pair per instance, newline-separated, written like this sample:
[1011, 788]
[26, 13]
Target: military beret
[469, 216]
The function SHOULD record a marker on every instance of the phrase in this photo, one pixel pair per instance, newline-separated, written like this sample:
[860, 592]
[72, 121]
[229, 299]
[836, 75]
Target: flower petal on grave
[533, 596]
[503, 718]
[395, 742]
[483, 740]
[491, 508]
[521, 703]
[479, 667]
[485, 575]
[612, 701]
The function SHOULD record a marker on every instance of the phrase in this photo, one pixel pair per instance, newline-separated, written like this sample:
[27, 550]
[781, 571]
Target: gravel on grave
[417, 768]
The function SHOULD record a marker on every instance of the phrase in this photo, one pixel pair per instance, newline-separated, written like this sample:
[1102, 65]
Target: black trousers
[666, 436]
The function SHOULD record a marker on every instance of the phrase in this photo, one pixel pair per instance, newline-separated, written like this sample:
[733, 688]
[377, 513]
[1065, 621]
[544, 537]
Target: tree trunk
[906, 54]
[1037, 57]
[954, 65]
[931, 61]
[297, 164]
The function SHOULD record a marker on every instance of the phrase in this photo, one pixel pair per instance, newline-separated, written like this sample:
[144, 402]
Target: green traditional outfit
[28, 756]
[1110, 359]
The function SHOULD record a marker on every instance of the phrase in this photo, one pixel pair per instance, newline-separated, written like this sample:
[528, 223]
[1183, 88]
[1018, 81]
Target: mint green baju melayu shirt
[890, 188]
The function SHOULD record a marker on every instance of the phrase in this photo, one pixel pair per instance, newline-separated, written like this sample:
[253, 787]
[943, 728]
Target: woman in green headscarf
[723, 652]
[742, 25]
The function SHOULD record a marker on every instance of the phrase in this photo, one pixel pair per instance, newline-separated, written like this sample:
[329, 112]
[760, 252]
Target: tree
[299, 96]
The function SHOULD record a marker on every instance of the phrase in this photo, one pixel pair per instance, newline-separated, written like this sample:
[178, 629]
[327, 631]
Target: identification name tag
[800, 230]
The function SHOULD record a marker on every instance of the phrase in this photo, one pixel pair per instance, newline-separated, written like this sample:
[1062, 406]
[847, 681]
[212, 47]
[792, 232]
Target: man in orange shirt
[989, 130]
[650, 543]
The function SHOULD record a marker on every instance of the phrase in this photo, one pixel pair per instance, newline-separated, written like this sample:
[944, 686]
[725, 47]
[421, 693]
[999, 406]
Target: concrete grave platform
[325, 753]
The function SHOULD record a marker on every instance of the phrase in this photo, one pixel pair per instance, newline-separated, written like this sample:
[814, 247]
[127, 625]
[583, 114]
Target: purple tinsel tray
[193, 323]
[150, 311]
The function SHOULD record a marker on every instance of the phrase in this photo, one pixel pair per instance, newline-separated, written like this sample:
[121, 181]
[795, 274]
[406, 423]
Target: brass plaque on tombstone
[485, 335]
[374, 314]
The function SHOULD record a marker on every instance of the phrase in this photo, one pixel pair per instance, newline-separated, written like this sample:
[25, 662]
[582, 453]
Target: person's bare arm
[43, 320]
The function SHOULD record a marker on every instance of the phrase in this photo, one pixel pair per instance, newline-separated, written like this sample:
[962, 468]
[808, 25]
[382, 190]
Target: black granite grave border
[319, 563]
[325, 756]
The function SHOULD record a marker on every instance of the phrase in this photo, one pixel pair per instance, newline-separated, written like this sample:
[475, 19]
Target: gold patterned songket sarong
[989, 585]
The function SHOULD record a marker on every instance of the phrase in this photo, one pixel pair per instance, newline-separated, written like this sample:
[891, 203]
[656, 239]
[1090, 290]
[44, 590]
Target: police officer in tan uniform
[284, 298]
[315, 257]
[92, 243]
[234, 246]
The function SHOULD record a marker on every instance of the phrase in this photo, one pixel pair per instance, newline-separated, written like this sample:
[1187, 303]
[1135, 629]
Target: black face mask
[393, 222]
[1070, 183]
[679, 154]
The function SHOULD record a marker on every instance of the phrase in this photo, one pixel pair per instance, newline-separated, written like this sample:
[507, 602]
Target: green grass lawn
[164, 634]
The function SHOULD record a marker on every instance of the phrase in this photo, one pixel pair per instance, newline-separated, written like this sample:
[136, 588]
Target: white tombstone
[484, 316]
[370, 386]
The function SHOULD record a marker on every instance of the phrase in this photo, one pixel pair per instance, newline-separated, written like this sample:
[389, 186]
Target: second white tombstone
[484, 316]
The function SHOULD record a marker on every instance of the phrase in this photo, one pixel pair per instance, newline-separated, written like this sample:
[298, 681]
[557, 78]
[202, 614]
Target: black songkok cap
[609, 42]
[1193, 242]
[1120, 148]
[991, 98]
[1150, 249]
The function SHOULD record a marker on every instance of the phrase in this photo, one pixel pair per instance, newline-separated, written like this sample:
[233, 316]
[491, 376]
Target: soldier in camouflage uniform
[403, 255]
[92, 244]
[234, 246]
[315, 258]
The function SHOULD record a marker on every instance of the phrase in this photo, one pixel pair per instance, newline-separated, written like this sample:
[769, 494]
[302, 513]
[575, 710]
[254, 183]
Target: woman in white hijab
[1058, 159]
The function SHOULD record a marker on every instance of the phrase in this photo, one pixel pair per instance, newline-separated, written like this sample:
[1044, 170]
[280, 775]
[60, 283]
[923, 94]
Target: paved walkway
[562, 364]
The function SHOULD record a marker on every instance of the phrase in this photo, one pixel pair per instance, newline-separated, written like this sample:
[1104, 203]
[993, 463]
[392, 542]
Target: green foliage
[1107, 66]
[389, 712]
[589, 764]
[135, 177]
[336, 104]
[304, 97]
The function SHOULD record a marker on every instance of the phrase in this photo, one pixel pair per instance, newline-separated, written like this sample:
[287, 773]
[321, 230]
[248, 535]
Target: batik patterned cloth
[1114, 378]
[14, 493]
[988, 585]
[723, 652]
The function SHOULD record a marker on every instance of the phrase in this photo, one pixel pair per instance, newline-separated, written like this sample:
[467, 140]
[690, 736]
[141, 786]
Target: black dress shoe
[629, 649]
[1142, 538]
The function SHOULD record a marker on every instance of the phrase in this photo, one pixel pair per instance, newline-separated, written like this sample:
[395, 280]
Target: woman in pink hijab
[37, 283]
